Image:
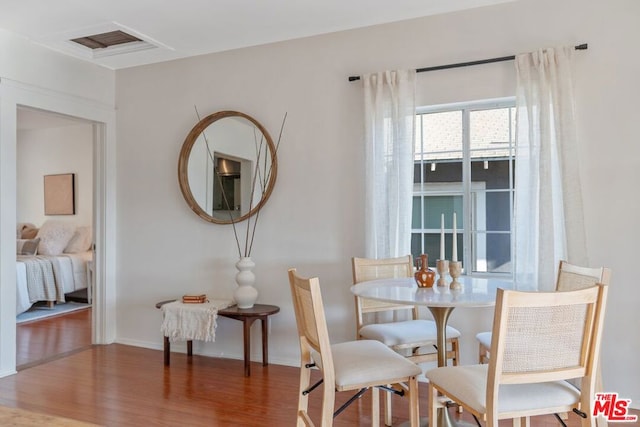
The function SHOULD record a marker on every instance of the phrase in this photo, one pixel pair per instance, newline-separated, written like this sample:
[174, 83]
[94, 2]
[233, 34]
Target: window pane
[494, 173]
[416, 214]
[432, 246]
[449, 171]
[490, 211]
[416, 244]
[428, 215]
[433, 208]
[438, 134]
[491, 252]
[490, 130]
[436, 206]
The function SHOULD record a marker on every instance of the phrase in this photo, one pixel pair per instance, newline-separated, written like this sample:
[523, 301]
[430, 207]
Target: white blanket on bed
[186, 322]
[34, 277]
[22, 293]
[41, 279]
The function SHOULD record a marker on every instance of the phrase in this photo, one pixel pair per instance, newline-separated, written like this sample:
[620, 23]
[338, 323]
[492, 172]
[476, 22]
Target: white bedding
[69, 271]
[22, 294]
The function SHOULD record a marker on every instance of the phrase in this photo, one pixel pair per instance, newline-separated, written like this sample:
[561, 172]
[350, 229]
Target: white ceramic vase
[245, 294]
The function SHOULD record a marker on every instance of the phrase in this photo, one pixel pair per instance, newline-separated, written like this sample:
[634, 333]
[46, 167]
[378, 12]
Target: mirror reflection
[227, 167]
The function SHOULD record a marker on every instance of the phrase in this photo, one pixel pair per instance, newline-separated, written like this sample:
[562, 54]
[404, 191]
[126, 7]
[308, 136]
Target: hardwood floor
[42, 340]
[118, 385]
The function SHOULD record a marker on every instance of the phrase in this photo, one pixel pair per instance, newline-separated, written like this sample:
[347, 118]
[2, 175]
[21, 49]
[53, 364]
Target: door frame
[15, 94]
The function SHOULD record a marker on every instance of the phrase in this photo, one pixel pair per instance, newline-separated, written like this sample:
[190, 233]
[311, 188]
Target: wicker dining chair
[413, 335]
[358, 365]
[570, 277]
[541, 340]
[415, 338]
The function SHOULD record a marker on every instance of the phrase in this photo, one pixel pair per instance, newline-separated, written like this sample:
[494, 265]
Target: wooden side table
[247, 316]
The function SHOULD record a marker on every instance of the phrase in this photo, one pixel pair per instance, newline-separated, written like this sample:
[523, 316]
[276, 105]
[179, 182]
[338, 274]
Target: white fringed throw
[186, 322]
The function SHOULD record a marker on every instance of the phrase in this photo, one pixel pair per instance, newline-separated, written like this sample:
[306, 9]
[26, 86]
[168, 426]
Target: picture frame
[59, 194]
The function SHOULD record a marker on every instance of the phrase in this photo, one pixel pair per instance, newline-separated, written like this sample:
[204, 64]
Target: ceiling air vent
[105, 40]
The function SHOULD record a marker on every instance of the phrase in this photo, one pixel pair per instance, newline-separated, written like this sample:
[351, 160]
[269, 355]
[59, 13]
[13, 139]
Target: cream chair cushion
[469, 384]
[406, 332]
[367, 361]
[484, 338]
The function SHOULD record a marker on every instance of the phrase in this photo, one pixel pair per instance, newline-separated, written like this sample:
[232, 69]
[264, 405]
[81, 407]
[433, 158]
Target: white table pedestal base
[444, 420]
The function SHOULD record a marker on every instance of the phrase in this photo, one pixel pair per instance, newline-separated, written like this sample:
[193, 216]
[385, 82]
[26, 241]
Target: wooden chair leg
[388, 415]
[433, 405]
[303, 399]
[599, 387]
[522, 422]
[483, 354]
[328, 403]
[375, 407]
[414, 403]
[455, 346]
[303, 418]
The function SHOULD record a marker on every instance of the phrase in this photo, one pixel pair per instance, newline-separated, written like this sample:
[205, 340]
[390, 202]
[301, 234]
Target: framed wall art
[59, 194]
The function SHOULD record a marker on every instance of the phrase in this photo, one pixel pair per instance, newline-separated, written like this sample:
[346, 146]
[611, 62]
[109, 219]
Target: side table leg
[246, 325]
[265, 341]
[167, 351]
[189, 348]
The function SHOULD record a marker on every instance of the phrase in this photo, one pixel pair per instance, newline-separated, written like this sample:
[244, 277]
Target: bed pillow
[28, 246]
[80, 242]
[29, 232]
[26, 230]
[54, 237]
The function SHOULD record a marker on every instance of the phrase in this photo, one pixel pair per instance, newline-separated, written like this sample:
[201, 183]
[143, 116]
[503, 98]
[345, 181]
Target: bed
[49, 278]
[52, 264]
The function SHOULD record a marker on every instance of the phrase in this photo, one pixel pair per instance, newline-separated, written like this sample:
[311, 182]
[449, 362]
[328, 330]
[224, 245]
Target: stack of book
[194, 299]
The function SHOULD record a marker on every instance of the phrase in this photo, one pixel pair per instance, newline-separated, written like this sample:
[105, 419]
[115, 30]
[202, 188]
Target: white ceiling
[182, 28]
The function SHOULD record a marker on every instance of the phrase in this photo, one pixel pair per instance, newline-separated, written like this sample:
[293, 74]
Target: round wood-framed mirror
[227, 167]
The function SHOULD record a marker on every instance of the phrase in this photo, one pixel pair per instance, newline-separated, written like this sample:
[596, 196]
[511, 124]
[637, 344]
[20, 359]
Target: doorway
[15, 95]
[54, 145]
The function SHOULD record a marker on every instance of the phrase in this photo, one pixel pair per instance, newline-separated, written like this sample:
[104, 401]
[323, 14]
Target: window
[464, 161]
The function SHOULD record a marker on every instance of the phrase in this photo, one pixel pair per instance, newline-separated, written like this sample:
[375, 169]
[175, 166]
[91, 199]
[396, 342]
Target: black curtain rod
[467, 64]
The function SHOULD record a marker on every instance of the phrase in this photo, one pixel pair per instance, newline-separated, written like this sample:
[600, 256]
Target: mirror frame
[183, 165]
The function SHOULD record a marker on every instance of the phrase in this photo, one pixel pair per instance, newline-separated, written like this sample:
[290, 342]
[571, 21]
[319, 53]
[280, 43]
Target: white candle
[454, 253]
[442, 256]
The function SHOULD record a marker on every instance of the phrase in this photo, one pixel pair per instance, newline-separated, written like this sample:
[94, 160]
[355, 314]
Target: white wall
[314, 219]
[27, 62]
[53, 151]
[33, 76]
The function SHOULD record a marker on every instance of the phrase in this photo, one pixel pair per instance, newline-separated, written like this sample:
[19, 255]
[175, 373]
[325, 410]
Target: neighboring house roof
[441, 133]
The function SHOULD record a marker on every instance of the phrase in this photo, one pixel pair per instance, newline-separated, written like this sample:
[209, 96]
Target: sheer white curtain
[549, 222]
[389, 99]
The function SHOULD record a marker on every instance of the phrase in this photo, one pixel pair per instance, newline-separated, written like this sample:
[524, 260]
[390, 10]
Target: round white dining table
[440, 300]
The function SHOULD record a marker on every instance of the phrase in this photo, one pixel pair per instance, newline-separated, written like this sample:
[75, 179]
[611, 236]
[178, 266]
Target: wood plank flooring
[118, 385]
[39, 341]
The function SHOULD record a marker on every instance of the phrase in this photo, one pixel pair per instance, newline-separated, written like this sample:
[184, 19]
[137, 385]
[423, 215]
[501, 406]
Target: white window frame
[469, 187]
